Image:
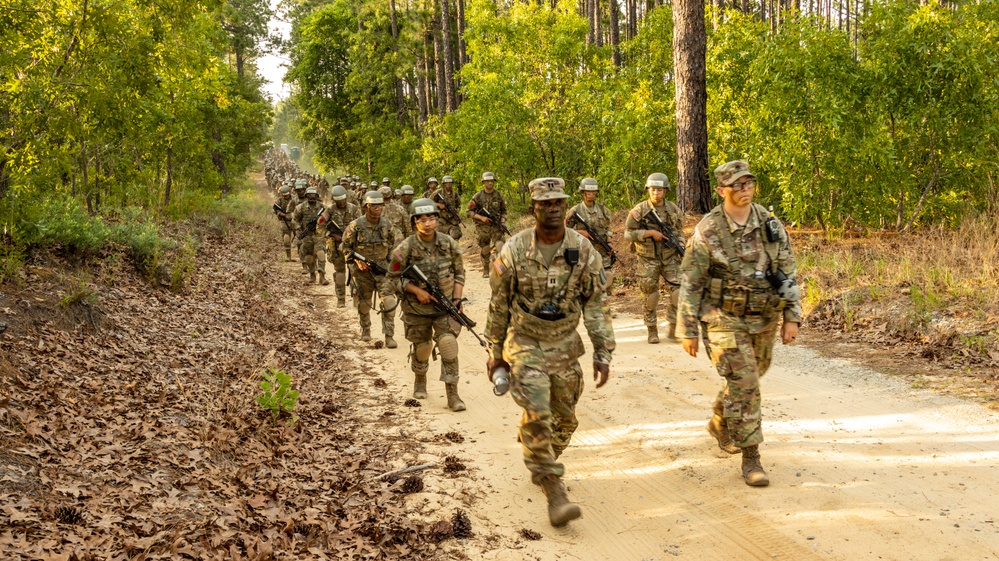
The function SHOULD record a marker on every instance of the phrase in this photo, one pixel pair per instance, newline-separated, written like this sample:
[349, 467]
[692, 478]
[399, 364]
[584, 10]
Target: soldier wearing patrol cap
[438, 257]
[544, 281]
[489, 233]
[311, 251]
[738, 283]
[656, 258]
[335, 219]
[372, 236]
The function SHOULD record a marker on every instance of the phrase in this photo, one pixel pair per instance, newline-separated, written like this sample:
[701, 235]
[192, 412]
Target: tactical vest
[372, 240]
[435, 264]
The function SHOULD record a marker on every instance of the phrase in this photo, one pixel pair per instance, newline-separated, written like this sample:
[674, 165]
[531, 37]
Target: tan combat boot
[287, 253]
[718, 428]
[653, 334]
[322, 279]
[341, 302]
[420, 387]
[453, 401]
[671, 331]
[752, 470]
[312, 278]
[390, 342]
[560, 510]
[365, 334]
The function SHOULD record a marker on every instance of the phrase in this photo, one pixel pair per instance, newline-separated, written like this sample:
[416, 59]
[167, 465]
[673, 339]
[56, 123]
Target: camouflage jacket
[493, 202]
[305, 213]
[372, 240]
[285, 204]
[400, 217]
[453, 200]
[340, 216]
[522, 285]
[638, 223]
[710, 275]
[597, 216]
[443, 266]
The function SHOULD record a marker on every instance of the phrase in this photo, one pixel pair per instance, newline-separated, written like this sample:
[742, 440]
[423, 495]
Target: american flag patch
[634, 212]
[498, 266]
[398, 256]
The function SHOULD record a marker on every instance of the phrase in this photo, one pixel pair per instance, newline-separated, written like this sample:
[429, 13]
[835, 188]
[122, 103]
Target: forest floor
[128, 429]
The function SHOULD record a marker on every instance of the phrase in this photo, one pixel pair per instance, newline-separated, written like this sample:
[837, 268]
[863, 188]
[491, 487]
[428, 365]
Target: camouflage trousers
[312, 254]
[453, 230]
[649, 273]
[286, 234]
[367, 286]
[742, 358]
[424, 332]
[335, 257]
[546, 382]
[490, 242]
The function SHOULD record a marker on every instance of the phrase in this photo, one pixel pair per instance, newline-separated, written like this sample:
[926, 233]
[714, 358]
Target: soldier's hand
[495, 363]
[690, 345]
[422, 295]
[585, 234]
[656, 235]
[601, 372]
[361, 265]
[789, 332]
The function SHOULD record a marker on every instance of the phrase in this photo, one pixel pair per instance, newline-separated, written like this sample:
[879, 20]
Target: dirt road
[862, 467]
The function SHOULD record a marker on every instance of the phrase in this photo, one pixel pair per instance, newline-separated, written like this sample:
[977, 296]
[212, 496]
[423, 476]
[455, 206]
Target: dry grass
[931, 270]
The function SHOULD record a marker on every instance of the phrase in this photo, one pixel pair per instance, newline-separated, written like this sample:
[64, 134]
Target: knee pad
[340, 279]
[649, 286]
[652, 300]
[389, 303]
[421, 351]
[448, 347]
[309, 260]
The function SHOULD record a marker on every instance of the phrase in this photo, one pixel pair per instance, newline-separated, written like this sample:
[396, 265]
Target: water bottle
[501, 381]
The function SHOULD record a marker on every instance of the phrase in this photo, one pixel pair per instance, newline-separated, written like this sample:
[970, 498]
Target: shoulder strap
[728, 244]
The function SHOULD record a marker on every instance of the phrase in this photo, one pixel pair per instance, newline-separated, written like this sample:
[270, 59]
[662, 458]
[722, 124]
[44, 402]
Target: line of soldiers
[731, 284]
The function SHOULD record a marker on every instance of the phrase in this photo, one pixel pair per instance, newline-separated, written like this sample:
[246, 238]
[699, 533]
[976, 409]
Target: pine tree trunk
[448, 57]
[400, 110]
[689, 52]
[462, 56]
[615, 34]
[440, 91]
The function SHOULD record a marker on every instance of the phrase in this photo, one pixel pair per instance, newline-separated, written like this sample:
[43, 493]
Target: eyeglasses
[743, 186]
[426, 218]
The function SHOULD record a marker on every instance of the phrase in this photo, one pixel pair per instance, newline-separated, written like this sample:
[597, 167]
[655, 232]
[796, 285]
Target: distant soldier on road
[594, 214]
[737, 283]
[283, 203]
[656, 258]
[311, 250]
[448, 201]
[438, 257]
[544, 280]
[371, 237]
[489, 232]
[335, 219]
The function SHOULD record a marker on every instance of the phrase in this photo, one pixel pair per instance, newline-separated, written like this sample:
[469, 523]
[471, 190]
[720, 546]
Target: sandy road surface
[862, 467]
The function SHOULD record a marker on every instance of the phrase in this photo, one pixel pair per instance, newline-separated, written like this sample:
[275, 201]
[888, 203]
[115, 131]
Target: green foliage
[278, 398]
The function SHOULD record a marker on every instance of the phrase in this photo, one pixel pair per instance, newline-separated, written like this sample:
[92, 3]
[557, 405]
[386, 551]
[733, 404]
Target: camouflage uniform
[723, 294]
[441, 261]
[341, 217]
[490, 237]
[655, 260]
[311, 250]
[546, 379]
[450, 221]
[287, 231]
[373, 241]
[597, 216]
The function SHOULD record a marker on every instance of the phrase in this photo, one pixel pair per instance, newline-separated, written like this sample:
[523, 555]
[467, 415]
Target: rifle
[665, 230]
[575, 218]
[450, 209]
[279, 210]
[497, 223]
[311, 226]
[373, 266]
[442, 302]
[333, 230]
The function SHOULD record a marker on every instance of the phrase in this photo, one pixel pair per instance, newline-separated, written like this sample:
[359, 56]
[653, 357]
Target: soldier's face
[589, 196]
[488, 185]
[406, 199]
[740, 193]
[312, 197]
[431, 186]
[373, 211]
[300, 193]
[426, 224]
[551, 213]
[341, 204]
[657, 195]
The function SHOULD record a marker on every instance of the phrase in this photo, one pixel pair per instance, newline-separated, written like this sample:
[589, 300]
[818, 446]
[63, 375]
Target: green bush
[278, 398]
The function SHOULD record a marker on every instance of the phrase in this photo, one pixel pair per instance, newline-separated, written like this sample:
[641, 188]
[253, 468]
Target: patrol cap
[407, 190]
[432, 180]
[339, 193]
[447, 179]
[385, 191]
[657, 181]
[547, 188]
[311, 191]
[488, 176]
[589, 184]
[727, 173]
[373, 198]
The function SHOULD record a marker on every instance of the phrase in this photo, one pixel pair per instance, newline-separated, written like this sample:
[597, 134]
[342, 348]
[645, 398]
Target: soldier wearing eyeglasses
[737, 285]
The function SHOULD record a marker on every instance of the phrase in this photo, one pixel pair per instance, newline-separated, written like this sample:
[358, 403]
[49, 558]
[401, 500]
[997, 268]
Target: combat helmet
[488, 176]
[447, 179]
[339, 193]
[311, 191]
[423, 207]
[285, 190]
[373, 198]
[658, 181]
[407, 190]
[589, 184]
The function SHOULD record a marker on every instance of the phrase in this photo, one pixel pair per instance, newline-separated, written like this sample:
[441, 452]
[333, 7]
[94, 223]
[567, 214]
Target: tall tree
[689, 60]
[447, 54]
